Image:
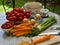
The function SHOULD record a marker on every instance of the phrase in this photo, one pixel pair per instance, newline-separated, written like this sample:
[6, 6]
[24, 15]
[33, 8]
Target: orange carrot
[22, 25]
[18, 27]
[23, 29]
[22, 33]
[41, 39]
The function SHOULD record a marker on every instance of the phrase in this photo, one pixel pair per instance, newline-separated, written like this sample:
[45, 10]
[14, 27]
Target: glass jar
[44, 13]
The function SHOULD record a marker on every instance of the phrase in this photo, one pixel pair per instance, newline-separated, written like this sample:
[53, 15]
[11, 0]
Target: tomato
[7, 25]
[21, 10]
[10, 25]
[15, 12]
[8, 18]
[27, 11]
[21, 14]
[12, 14]
[17, 15]
[8, 13]
[13, 18]
[20, 19]
[27, 15]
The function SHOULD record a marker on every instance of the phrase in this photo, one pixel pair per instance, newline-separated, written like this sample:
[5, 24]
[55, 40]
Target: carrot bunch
[21, 29]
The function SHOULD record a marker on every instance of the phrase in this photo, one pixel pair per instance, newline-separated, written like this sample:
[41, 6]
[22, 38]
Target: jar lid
[44, 10]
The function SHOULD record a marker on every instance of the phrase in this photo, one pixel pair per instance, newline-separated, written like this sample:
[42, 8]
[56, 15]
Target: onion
[25, 20]
[33, 21]
[38, 16]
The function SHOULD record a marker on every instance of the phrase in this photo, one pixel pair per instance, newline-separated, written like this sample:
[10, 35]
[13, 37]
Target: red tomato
[15, 12]
[27, 15]
[10, 18]
[7, 25]
[17, 15]
[10, 25]
[21, 10]
[20, 19]
[27, 11]
[13, 18]
[8, 13]
[7, 17]
[21, 14]
[12, 14]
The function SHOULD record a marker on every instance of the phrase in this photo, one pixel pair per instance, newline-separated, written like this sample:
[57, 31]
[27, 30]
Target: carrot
[18, 27]
[41, 39]
[28, 24]
[22, 25]
[23, 29]
[22, 33]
